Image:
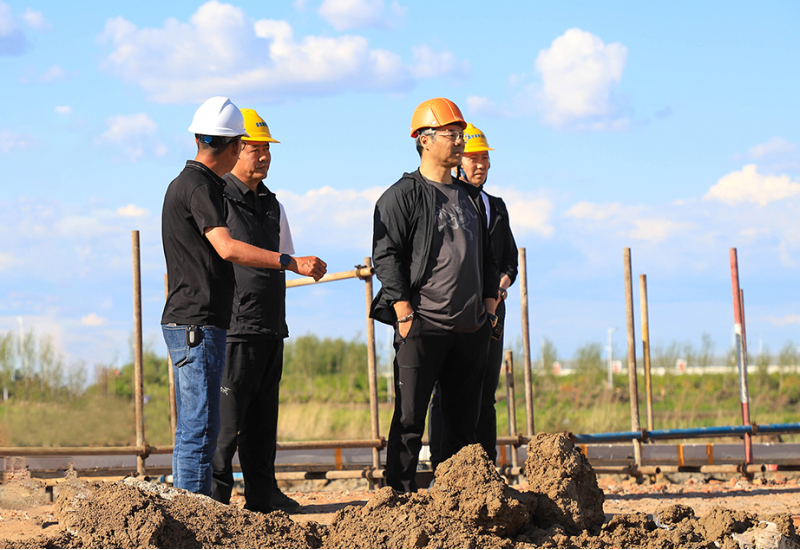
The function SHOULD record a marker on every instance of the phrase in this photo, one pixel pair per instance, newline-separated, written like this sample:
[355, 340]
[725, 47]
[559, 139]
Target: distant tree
[706, 356]
[548, 354]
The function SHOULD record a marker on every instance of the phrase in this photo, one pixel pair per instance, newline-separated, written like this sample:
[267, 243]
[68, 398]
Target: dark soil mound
[565, 483]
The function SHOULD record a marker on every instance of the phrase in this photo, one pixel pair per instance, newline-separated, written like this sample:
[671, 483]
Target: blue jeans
[198, 374]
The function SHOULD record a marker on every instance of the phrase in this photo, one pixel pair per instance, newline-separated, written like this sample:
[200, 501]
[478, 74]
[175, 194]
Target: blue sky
[671, 129]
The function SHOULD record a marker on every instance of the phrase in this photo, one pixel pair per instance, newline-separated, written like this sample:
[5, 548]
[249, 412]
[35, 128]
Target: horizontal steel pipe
[72, 451]
[340, 444]
[687, 433]
[358, 273]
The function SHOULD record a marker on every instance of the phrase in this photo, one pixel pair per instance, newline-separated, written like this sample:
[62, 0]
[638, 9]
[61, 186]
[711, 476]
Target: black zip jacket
[503, 243]
[259, 300]
[403, 225]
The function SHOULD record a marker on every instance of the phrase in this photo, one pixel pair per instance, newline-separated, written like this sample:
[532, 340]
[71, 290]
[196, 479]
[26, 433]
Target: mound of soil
[565, 483]
[139, 514]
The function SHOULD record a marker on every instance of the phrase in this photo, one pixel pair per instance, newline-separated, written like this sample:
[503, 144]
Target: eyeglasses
[454, 136]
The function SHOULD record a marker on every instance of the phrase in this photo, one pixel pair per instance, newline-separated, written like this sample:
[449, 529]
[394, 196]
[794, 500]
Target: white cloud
[131, 211]
[10, 141]
[657, 230]
[528, 213]
[63, 109]
[93, 320]
[327, 215]
[36, 20]
[586, 210]
[483, 106]
[222, 50]
[777, 155]
[430, 64]
[125, 131]
[52, 74]
[748, 185]
[8, 260]
[580, 75]
[12, 39]
[783, 321]
[344, 15]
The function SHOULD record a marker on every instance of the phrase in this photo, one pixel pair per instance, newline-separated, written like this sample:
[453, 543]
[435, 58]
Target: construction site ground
[630, 508]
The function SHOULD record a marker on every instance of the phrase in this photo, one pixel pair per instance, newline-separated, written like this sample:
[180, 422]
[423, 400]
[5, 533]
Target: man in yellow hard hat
[254, 349]
[474, 169]
[432, 255]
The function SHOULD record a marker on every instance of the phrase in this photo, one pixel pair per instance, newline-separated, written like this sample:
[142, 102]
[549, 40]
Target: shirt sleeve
[207, 208]
[286, 245]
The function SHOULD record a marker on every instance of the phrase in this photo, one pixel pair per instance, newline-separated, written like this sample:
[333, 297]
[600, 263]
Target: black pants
[486, 432]
[429, 354]
[249, 411]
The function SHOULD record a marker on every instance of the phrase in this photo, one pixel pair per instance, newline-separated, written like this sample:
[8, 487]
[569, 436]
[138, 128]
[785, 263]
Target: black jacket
[259, 300]
[503, 243]
[403, 225]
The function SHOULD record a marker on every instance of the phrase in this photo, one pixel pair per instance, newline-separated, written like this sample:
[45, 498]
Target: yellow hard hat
[474, 139]
[256, 127]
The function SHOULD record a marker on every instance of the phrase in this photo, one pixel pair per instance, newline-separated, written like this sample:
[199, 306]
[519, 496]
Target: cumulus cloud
[344, 15]
[483, 106]
[635, 222]
[11, 141]
[221, 49]
[12, 39]
[596, 212]
[125, 131]
[131, 211]
[64, 109]
[329, 215]
[36, 20]
[777, 155]
[8, 260]
[93, 320]
[529, 214]
[580, 74]
[748, 185]
[430, 64]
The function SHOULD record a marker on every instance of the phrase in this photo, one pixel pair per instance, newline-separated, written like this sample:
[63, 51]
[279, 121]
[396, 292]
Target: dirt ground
[562, 504]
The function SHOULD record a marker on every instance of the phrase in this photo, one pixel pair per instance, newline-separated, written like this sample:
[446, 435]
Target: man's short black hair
[215, 144]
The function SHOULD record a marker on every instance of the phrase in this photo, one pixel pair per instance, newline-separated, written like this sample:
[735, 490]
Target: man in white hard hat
[438, 277]
[254, 351]
[198, 249]
[474, 169]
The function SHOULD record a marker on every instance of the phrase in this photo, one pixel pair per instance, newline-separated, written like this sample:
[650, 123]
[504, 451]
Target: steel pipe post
[137, 349]
[173, 405]
[526, 340]
[512, 403]
[372, 366]
[632, 381]
[648, 380]
[741, 351]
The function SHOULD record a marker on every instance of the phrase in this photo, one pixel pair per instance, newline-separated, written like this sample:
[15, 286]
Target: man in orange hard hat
[474, 169]
[432, 255]
[254, 350]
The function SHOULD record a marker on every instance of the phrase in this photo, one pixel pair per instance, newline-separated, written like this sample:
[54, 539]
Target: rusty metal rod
[358, 273]
[173, 405]
[526, 340]
[372, 367]
[648, 380]
[137, 349]
[512, 403]
[741, 351]
[632, 382]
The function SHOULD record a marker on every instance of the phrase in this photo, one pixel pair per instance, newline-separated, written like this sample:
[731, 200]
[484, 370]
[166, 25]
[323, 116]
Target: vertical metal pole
[526, 339]
[372, 370]
[648, 380]
[512, 404]
[137, 350]
[632, 387]
[741, 351]
[173, 406]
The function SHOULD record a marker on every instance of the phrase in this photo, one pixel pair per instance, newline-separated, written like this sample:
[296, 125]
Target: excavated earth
[469, 506]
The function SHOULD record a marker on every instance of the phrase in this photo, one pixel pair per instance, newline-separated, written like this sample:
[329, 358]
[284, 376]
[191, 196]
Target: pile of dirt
[469, 506]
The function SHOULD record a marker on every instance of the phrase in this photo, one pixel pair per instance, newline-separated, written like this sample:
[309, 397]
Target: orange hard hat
[434, 113]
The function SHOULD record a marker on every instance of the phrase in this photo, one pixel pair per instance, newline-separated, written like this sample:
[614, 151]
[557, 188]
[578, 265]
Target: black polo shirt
[200, 282]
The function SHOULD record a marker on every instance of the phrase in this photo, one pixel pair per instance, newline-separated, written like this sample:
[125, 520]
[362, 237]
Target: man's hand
[402, 309]
[309, 266]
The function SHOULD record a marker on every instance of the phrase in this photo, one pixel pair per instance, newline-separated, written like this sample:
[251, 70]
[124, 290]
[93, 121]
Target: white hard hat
[218, 117]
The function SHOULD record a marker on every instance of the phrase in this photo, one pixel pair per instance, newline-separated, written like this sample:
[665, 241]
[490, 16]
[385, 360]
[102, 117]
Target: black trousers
[429, 354]
[486, 431]
[249, 411]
